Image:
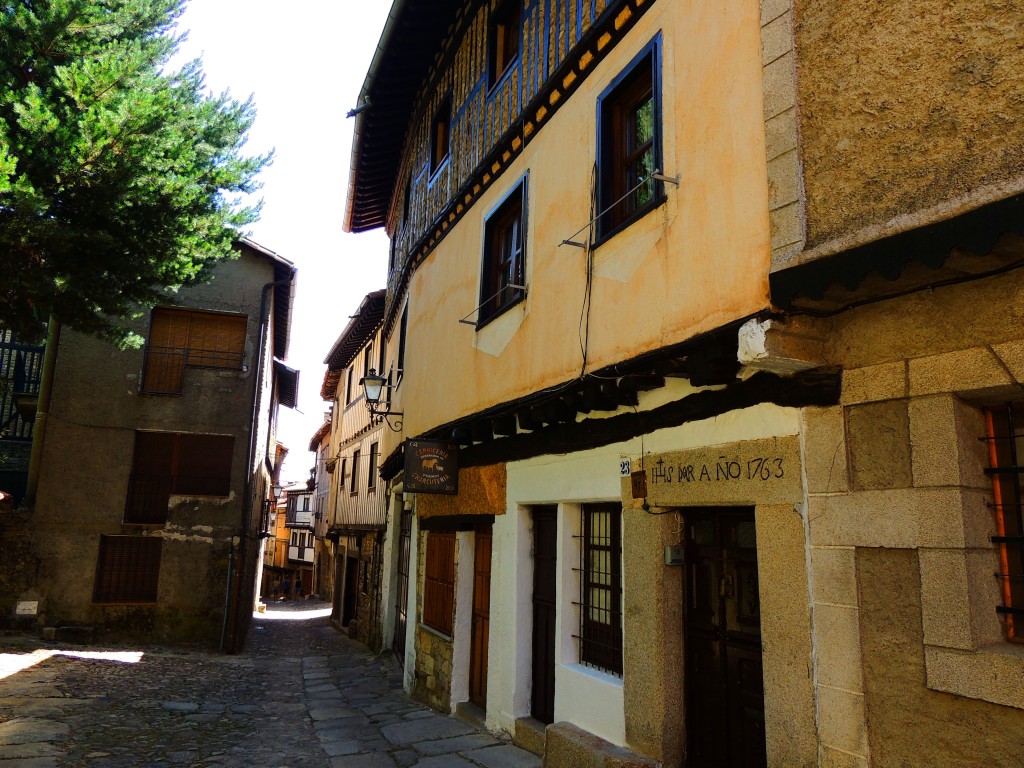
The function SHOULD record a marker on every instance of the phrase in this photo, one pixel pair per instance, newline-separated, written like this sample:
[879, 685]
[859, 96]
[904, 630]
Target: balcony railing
[300, 554]
[20, 368]
[164, 371]
[299, 518]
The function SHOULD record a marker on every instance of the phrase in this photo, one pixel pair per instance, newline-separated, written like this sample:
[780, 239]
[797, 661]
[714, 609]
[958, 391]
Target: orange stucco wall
[694, 263]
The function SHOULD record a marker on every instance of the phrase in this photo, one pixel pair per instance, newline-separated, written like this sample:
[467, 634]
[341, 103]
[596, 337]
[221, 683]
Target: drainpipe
[253, 432]
[227, 592]
[42, 409]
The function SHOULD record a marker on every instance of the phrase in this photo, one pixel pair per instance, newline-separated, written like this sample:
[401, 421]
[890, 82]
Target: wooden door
[545, 561]
[481, 617]
[724, 681]
[402, 587]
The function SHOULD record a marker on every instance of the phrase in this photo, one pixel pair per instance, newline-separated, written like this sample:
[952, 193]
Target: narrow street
[302, 694]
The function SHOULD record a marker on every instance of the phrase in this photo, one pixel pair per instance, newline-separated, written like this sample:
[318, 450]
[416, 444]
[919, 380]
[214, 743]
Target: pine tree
[120, 180]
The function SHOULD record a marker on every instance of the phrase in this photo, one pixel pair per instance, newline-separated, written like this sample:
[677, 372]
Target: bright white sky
[304, 63]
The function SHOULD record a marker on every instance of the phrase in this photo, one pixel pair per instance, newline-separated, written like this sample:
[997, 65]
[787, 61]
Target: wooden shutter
[149, 487]
[439, 582]
[128, 569]
[204, 465]
[217, 341]
[166, 351]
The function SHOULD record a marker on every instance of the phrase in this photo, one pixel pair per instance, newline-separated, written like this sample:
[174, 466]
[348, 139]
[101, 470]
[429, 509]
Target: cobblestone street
[302, 694]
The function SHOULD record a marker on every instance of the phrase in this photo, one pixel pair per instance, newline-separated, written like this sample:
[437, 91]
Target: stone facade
[433, 673]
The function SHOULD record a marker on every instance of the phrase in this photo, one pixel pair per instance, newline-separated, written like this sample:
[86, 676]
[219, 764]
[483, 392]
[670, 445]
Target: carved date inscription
[723, 470]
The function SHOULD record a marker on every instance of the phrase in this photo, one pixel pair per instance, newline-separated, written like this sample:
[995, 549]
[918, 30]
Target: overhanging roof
[284, 293]
[319, 435]
[407, 48]
[362, 325]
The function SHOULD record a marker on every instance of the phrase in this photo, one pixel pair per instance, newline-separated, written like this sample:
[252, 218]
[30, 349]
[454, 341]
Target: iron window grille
[600, 603]
[1006, 459]
[629, 144]
[439, 581]
[127, 570]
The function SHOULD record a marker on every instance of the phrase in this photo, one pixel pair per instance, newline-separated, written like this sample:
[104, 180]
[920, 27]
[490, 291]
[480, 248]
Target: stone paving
[302, 695]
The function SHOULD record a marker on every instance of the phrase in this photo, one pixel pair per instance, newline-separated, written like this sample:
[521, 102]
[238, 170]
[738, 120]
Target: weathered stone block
[777, 37]
[837, 646]
[878, 435]
[887, 381]
[842, 723]
[824, 454]
[834, 572]
[865, 519]
[779, 85]
[959, 371]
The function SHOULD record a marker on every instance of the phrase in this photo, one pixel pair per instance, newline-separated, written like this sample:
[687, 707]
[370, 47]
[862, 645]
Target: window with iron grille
[629, 144]
[1005, 427]
[127, 570]
[503, 39]
[348, 384]
[354, 480]
[180, 338]
[439, 582]
[600, 602]
[168, 463]
[504, 273]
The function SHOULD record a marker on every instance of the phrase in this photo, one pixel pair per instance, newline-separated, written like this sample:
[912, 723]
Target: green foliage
[119, 180]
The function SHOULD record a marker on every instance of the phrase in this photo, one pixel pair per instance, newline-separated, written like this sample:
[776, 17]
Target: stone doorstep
[529, 734]
[569, 746]
[470, 713]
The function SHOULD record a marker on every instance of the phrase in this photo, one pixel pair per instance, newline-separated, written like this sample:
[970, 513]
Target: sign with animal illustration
[431, 466]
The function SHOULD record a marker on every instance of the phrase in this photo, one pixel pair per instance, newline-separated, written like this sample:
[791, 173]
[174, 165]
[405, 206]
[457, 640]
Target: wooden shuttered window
[439, 582]
[181, 337]
[128, 569]
[167, 463]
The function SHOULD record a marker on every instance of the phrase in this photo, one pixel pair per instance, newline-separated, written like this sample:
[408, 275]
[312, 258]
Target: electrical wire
[584, 326]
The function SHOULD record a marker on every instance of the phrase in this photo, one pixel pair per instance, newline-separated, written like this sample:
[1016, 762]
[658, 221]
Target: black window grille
[600, 604]
[1006, 465]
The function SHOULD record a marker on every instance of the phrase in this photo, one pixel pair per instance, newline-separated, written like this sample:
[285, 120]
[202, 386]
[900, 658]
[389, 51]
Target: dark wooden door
[545, 561]
[724, 681]
[402, 587]
[481, 617]
[351, 604]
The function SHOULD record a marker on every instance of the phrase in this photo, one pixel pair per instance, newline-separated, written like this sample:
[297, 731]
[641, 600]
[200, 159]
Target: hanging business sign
[431, 466]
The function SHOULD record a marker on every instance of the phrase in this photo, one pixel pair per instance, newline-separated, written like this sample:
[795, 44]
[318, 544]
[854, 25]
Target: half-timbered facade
[355, 518]
[718, 356]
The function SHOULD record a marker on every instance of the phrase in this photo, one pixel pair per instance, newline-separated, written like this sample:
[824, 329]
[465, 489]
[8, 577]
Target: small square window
[440, 134]
[502, 283]
[503, 39]
[127, 570]
[629, 145]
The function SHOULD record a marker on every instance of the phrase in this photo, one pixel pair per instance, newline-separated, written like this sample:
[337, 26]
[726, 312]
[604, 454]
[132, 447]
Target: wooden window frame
[639, 82]
[439, 582]
[127, 570]
[353, 487]
[441, 135]
[600, 642]
[371, 482]
[349, 374]
[503, 270]
[504, 33]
